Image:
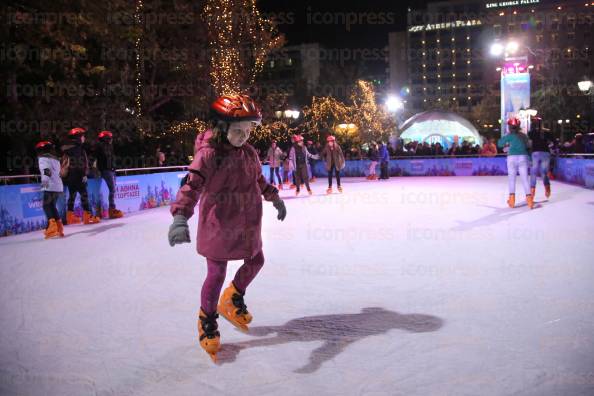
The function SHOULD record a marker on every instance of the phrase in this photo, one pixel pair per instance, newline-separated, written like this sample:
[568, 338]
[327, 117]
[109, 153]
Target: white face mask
[239, 132]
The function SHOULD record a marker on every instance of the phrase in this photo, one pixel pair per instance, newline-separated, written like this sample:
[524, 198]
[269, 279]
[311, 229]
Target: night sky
[365, 33]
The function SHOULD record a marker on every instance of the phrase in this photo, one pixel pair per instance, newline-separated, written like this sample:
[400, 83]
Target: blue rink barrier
[575, 170]
[21, 204]
[473, 166]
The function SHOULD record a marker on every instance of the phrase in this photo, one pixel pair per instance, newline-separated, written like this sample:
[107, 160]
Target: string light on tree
[239, 41]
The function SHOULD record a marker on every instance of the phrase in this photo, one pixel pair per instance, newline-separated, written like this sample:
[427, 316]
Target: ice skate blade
[243, 328]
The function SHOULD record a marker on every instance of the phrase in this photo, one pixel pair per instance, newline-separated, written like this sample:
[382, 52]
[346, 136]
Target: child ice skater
[517, 160]
[334, 158]
[300, 156]
[52, 187]
[541, 156]
[226, 176]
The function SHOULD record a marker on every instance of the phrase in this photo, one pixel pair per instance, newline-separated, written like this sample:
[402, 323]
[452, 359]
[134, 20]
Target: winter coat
[489, 150]
[49, 167]
[383, 153]
[540, 141]
[230, 195]
[274, 157]
[105, 157]
[293, 156]
[78, 163]
[518, 143]
[333, 156]
[373, 154]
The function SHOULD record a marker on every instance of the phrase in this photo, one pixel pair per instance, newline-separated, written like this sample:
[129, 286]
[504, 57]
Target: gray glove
[279, 205]
[179, 232]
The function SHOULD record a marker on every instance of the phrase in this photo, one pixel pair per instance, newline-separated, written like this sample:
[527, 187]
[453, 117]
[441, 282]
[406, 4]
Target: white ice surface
[504, 299]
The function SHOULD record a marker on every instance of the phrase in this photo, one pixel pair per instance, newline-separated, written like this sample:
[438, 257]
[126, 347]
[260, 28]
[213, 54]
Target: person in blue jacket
[517, 160]
[384, 157]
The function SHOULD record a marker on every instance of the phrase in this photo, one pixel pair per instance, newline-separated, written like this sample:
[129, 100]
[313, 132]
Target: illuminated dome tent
[439, 126]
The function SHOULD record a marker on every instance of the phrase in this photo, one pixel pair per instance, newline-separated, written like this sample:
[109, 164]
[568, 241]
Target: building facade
[450, 65]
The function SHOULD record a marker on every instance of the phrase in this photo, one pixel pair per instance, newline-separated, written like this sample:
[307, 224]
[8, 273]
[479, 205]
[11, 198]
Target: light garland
[239, 41]
[138, 18]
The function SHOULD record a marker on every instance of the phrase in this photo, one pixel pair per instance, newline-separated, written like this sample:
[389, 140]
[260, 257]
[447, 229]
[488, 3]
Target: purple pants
[211, 289]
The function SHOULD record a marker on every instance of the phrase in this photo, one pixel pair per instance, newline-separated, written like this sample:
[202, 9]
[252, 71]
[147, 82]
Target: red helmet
[76, 132]
[330, 139]
[236, 108]
[513, 122]
[44, 145]
[297, 138]
[105, 135]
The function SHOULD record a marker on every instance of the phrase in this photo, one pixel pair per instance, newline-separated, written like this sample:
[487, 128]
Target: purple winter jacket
[230, 210]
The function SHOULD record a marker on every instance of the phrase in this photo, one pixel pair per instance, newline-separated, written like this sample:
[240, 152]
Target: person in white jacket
[274, 157]
[52, 187]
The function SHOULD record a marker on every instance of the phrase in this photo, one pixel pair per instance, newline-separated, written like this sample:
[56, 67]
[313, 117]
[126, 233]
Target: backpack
[64, 166]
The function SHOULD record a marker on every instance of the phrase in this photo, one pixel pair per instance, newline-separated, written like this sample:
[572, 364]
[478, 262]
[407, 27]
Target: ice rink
[415, 286]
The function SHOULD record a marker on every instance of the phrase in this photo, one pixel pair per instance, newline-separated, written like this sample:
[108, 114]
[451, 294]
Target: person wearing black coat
[106, 164]
[75, 165]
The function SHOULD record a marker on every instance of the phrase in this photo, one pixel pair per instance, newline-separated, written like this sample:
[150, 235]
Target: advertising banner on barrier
[479, 166]
[576, 171]
[21, 206]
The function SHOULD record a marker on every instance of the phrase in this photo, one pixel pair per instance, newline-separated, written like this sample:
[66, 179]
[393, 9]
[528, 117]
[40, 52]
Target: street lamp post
[587, 88]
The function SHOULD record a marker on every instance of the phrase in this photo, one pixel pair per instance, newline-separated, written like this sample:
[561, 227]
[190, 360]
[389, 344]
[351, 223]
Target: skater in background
[75, 167]
[287, 171]
[384, 158]
[274, 161]
[374, 158]
[312, 165]
[106, 164]
[299, 160]
[226, 176]
[517, 160]
[334, 158]
[541, 157]
[52, 187]
[489, 148]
